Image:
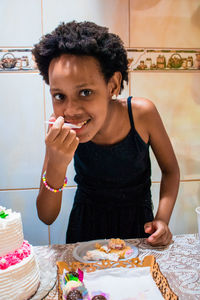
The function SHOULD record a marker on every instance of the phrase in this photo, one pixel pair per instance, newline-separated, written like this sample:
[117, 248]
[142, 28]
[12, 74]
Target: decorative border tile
[163, 59]
[140, 59]
[20, 59]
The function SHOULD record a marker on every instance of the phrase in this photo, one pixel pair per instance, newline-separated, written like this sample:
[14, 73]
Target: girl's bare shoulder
[142, 106]
[139, 103]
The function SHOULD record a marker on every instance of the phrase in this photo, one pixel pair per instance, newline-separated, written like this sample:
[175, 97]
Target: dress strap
[130, 112]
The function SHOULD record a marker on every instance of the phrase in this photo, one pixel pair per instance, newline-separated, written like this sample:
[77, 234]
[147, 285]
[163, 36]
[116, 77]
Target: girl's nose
[72, 107]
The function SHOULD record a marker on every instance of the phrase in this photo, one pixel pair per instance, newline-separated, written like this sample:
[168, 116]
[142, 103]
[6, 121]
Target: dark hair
[84, 38]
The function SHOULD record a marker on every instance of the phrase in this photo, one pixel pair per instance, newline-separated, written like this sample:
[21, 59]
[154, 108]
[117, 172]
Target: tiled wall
[158, 24]
[25, 101]
[25, 104]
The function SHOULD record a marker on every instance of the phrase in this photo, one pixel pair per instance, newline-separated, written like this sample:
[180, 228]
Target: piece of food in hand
[115, 249]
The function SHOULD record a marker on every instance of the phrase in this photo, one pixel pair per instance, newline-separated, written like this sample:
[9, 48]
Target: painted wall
[25, 101]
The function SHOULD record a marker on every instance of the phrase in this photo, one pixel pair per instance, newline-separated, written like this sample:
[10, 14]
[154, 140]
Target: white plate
[80, 251]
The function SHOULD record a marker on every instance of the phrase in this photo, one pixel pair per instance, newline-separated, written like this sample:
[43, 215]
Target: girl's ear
[115, 84]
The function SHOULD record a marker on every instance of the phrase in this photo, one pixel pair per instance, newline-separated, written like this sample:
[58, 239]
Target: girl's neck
[116, 126]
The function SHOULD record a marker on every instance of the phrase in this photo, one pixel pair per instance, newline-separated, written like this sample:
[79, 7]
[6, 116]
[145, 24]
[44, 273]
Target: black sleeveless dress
[113, 197]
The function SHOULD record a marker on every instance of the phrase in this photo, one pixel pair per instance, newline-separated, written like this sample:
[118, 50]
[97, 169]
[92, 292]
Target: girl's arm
[162, 148]
[61, 143]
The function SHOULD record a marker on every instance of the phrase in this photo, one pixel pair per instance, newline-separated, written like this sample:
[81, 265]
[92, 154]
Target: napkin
[123, 284]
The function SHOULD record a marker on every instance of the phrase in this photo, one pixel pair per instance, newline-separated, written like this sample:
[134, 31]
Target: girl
[86, 67]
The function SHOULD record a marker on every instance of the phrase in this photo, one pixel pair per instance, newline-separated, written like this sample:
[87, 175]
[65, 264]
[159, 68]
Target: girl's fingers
[52, 135]
[69, 138]
[63, 138]
[51, 119]
[62, 141]
[64, 133]
[156, 239]
[74, 145]
[55, 130]
[160, 240]
[148, 228]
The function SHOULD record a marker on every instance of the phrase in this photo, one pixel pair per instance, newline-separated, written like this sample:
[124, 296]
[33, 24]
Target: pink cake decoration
[15, 257]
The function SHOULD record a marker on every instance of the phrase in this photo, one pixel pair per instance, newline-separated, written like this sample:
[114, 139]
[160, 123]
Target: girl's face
[80, 94]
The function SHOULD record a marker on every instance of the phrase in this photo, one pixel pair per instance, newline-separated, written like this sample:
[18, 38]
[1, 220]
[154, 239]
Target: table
[179, 262]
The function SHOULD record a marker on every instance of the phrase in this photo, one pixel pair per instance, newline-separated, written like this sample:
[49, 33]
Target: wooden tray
[148, 261]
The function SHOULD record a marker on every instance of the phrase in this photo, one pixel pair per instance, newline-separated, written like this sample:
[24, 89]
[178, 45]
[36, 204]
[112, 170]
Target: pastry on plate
[114, 250]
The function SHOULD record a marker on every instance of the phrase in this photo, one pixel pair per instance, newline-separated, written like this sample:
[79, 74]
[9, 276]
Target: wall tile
[125, 93]
[59, 227]
[22, 130]
[48, 102]
[24, 202]
[160, 23]
[12, 60]
[176, 97]
[112, 14]
[183, 219]
[20, 22]
[142, 59]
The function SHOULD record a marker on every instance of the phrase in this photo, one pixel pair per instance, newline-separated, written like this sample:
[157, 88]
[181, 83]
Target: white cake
[19, 270]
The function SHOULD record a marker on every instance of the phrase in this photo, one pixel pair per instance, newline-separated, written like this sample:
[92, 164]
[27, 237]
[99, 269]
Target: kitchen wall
[26, 104]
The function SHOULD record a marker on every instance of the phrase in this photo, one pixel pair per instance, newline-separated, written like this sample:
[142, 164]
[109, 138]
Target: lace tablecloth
[179, 263]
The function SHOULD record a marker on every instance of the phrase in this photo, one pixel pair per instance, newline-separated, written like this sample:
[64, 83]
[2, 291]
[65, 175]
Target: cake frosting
[19, 270]
[11, 233]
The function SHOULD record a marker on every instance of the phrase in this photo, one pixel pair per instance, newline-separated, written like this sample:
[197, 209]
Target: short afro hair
[83, 38]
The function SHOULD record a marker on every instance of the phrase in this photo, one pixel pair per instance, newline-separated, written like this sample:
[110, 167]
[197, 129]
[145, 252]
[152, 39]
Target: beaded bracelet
[50, 188]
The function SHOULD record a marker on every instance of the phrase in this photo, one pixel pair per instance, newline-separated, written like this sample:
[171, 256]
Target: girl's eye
[58, 97]
[85, 93]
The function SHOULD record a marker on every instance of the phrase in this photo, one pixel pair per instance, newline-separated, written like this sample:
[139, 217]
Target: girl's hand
[61, 143]
[160, 233]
